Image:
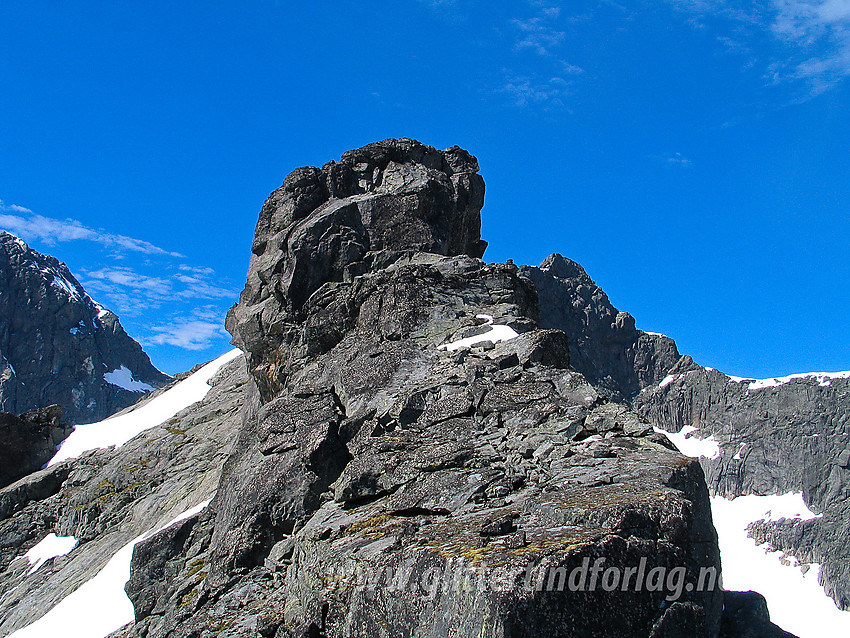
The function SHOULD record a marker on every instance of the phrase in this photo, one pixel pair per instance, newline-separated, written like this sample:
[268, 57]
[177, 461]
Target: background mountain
[773, 436]
[58, 345]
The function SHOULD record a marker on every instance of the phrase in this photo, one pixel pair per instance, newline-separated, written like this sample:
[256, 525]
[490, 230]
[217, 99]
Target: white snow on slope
[58, 281]
[824, 379]
[667, 381]
[691, 445]
[99, 606]
[65, 286]
[796, 601]
[51, 546]
[496, 334]
[123, 378]
[117, 430]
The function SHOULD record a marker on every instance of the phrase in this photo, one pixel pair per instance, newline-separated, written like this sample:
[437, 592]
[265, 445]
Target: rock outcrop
[29, 441]
[57, 345]
[377, 472]
[416, 443]
[326, 226]
[605, 346]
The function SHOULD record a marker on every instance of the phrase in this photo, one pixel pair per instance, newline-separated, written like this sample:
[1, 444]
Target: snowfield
[796, 601]
[496, 334]
[99, 606]
[691, 445]
[667, 381]
[824, 379]
[117, 430]
[123, 378]
[51, 546]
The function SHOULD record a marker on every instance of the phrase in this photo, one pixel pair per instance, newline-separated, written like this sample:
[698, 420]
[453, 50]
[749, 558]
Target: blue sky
[693, 155]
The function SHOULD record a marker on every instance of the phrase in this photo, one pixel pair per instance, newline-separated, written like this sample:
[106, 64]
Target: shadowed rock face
[29, 441]
[56, 343]
[605, 345]
[367, 451]
[326, 225]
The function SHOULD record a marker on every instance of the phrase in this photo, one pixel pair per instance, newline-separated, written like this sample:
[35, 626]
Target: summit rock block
[330, 224]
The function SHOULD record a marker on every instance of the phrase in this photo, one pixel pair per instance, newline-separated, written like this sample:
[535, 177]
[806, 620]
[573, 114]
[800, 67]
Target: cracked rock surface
[368, 452]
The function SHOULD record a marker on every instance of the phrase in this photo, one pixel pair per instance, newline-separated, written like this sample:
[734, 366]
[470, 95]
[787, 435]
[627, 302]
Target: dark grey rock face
[56, 343]
[29, 441]
[789, 437]
[368, 451]
[605, 346]
[745, 615]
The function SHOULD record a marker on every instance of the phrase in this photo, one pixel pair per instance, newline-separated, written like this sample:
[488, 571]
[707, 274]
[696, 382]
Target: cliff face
[29, 441]
[57, 345]
[381, 444]
[775, 436]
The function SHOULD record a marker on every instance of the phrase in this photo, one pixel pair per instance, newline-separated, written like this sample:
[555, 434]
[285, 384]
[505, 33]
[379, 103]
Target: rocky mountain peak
[58, 345]
[326, 226]
[605, 345]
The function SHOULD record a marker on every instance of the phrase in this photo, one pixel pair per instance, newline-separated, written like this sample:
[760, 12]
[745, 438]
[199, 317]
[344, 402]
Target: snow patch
[690, 445]
[100, 606]
[824, 379]
[654, 334]
[123, 378]
[117, 430]
[52, 546]
[796, 601]
[496, 334]
[670, 378]
[65, 286]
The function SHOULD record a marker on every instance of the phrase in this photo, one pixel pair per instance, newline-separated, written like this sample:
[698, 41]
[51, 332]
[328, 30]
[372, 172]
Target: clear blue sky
[693, 155]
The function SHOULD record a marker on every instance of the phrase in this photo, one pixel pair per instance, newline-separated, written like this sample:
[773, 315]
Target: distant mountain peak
[58, 345]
